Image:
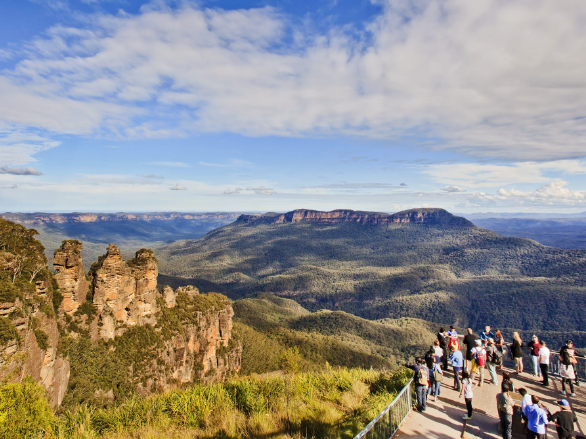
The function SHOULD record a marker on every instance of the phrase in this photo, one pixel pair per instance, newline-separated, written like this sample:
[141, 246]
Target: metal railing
[385, 425]
[554, 364]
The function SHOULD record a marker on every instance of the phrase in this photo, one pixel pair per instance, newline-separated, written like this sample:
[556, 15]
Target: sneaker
[573, 394]
[563, 392]
[466, 417]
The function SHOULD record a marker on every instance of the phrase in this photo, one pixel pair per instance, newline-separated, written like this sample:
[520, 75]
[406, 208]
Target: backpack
[565, 356]
[422, 376]
[497, 357]
[479, 357]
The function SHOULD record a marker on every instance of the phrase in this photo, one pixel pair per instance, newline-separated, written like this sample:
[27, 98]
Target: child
[467, 387]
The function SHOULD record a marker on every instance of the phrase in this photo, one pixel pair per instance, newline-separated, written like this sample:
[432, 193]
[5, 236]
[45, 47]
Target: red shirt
[535, 348]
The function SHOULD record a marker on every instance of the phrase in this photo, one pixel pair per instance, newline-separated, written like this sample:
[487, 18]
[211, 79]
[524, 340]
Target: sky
[380, 105]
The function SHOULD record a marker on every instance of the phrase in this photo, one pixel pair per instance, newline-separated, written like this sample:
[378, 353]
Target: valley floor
[443, 419]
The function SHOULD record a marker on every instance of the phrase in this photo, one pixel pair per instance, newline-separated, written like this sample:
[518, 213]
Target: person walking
[469, 343]
[536, 419]
[517, 352]
[467, 390]
[499, 342]
[457, 364]
[484, 336]
[535, 346]
[504, 406]
[564, 420]
[479, 357]
[544, 354]
[436, 377]
[493, 359]
[420, 379]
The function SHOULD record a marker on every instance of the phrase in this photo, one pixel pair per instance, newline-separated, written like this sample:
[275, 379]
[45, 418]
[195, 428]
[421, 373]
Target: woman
[467, 387]
[508, 381]
[439, 352]
[517, 352]
[499, 342]
[436, 377]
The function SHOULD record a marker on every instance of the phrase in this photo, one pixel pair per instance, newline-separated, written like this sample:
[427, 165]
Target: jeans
[421, 392]
[492, 371]
[569, 381]
[535, 364]
[434, 388]
[469, 406]
[506, 425]
[545, 373]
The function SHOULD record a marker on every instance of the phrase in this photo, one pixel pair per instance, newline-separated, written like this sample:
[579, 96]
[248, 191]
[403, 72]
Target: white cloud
[178, 187]
[171, 164]
[455, 70]
[453, 189]
[554, 193]
[19, 171]
[233, 191]
[261, 190]
[232, 163]
[14, 186]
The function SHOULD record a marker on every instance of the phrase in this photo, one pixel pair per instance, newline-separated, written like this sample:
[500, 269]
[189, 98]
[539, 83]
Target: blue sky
[377, 105]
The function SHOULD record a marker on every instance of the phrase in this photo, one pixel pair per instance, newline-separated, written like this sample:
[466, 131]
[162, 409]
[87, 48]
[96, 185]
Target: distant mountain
[129, 230]
[422, 263]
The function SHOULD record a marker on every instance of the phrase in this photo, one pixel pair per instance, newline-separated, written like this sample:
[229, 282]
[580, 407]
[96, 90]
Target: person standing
[504, 406]
[430, 357]
[493, 359]
[420, 379]
[544, 354]
[457, 364]
[567, 370]
[467, 389]
[517, 352]
[499, 342]
[536, 419]
[437, 351]
[469, 344]
[479, 356]
[436, 377]
[535, 346]
[508, 381]
[564, 420]
[484, 336]
[571, 352]
[442, 338]
[453, 339]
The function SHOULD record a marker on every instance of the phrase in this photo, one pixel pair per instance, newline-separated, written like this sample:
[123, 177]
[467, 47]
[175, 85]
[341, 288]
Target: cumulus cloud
[453, 189]
[454, 74]
[19, 171]
[261, 190]
[554, 193]
[14, 186]
[233, 191]
[178, 187]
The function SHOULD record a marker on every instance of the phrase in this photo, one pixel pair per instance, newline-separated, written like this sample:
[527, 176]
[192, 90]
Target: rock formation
[70, 276]
[428, 216]
[125, 294]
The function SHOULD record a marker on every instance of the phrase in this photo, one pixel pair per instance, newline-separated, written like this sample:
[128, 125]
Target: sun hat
[563, 403]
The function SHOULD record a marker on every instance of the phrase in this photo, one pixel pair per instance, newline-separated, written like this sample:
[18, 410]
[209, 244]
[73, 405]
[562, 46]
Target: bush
[7, 331]
[25, 411]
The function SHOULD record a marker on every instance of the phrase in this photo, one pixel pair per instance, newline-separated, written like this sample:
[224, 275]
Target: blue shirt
[457, 359]
[485, 336]
[536, 418]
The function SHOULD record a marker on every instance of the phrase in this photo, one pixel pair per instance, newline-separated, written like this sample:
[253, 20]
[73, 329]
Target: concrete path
[443, 419]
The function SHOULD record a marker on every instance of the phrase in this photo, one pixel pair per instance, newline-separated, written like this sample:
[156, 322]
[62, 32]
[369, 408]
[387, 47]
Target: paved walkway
[443, 419]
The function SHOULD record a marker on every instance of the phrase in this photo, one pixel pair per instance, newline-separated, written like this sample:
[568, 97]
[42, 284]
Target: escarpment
[427, 216]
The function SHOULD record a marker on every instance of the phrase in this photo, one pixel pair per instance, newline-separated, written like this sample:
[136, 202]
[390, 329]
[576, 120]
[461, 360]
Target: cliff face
[70, 275]
[428, 216]
[62, 218]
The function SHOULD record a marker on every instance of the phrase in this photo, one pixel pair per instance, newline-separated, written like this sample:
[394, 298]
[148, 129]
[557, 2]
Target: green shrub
[25, 411]
[7, 331]
[42, 339]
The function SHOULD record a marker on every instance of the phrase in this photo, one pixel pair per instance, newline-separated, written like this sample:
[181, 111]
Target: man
[504, 406]
[536, 419]
[420, 379]
[443, 344]
[484, 336]
[492, 360]
[457, 365]
[564, 420]
[534, 345]
[469, 344]
[544, 363]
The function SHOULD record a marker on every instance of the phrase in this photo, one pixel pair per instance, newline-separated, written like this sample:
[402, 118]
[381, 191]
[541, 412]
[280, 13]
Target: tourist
[438, 351]
[420, 378]
[564, 420]
[544, 362]
[507, 380]
[457, 364]
[443, 344]
[453, 339]
[499, 342]
[479, 357]
[504, 405]
[569, 350]
[536, 419]
[524, 402]
[467, 388]
[567, 370]
[436, 377]
[484, 336]
[493, 359]
[430, 357]
[517, 352]
[535, 346]
[469, 344]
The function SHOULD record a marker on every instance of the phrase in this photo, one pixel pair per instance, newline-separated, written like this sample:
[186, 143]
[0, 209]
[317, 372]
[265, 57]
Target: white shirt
[467, 388]
[525, 402]
[544, 355]
[438, 351]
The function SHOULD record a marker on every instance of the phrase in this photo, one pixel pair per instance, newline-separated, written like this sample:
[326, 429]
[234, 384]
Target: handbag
[437, 376]
[474, 366]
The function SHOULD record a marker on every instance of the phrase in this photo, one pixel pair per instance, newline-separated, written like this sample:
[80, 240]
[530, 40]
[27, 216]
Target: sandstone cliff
[427, 216]
[70, 275]
[63, 218]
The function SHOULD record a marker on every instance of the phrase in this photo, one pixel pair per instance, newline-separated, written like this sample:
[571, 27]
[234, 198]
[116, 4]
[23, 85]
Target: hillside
[129, 230]
[422, 263]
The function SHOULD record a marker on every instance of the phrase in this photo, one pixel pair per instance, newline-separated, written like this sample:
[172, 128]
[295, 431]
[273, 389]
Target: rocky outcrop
[67, 218]
[70, 275]
[427, 216]
[125, 294]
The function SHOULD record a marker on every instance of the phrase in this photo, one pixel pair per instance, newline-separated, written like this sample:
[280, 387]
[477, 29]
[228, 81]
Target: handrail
[386, 428]
[554, 363]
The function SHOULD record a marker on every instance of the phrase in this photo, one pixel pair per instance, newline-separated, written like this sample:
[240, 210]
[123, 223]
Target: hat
[563, 403]
[478, 342]
[491, 340]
